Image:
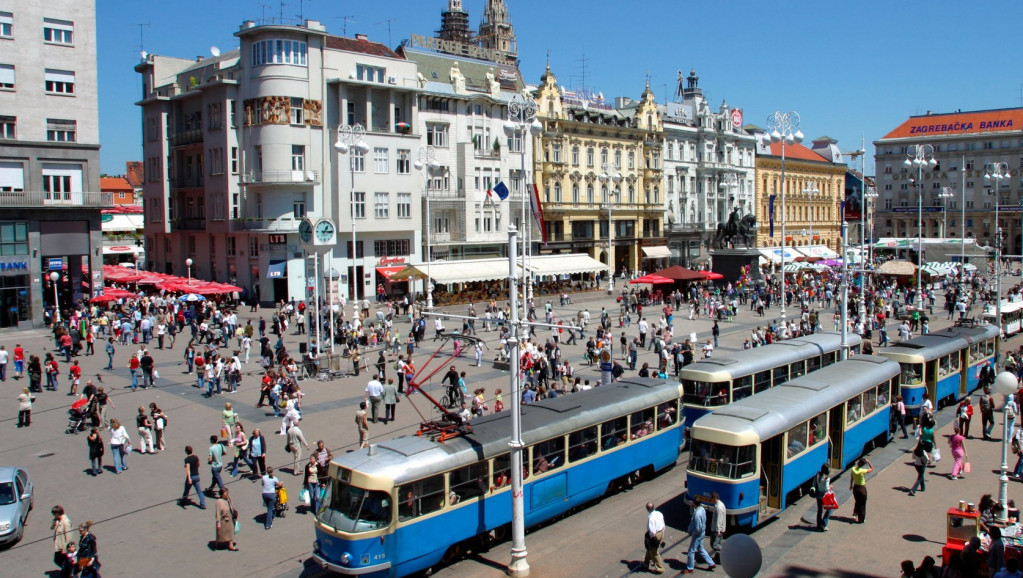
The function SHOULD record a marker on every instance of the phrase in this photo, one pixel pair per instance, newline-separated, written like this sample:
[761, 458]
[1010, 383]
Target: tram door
[836, 435]
[931, 377]
[771, 462]
[964, 372]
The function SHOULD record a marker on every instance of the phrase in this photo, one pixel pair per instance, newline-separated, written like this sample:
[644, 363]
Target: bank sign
[960, 123]
[14, 267]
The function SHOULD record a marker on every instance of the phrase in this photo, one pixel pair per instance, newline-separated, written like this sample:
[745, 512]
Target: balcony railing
[62, 200]
[487, 153]
[281, 225]
[281, 177]
[186, 137]
[189, 224]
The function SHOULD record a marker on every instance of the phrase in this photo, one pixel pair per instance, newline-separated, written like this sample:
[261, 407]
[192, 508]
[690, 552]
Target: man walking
[652, 540]
[697, 530]
[216, 462]
[717, 532]
[375, 396]
[987, 413]
[192, 479]
[295, 441]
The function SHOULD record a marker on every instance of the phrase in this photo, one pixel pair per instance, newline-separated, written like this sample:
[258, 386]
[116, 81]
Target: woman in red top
[964, 413]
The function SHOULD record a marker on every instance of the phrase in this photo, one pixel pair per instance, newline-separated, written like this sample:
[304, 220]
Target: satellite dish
[214, 51]
[144, 55]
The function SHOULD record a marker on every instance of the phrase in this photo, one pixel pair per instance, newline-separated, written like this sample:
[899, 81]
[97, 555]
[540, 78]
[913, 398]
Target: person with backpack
[921, 459]
[821, 486]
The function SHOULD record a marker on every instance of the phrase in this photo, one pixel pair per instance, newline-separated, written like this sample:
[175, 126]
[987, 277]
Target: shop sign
[55, 264]
[382, 261]
[14, 267]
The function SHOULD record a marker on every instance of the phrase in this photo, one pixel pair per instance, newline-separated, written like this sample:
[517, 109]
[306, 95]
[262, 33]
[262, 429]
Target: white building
[709, 170]
[239, 148]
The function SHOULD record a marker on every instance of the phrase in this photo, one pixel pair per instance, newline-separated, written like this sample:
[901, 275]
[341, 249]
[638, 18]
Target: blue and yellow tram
[946, 365]
[760, 453]
[409, 503]
[718, 381]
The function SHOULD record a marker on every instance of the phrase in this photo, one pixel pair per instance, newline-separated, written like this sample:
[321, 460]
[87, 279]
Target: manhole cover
[46, 455]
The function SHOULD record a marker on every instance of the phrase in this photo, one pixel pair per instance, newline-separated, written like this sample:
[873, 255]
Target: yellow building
[814, 190]
[589, 151]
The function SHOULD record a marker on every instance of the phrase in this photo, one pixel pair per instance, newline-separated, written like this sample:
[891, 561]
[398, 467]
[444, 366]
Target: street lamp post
[865, 251]
[54, 276]
[521, 121]
[783, 128]
[997, 172]
[1005, 383]
[519, 566]
[610, 177]
[918, 156]
[188, 265]
[427, 163]
[812, 190]
[352, 138]
[945, 194]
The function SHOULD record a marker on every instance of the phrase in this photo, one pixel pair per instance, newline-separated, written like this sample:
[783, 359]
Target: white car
[16, 501]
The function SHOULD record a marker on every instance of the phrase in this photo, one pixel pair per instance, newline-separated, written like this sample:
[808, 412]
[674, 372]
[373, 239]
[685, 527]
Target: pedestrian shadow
[916, 538]
[803, 571]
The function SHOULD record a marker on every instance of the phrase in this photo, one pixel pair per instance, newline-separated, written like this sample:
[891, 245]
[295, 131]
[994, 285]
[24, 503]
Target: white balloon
[741, 557]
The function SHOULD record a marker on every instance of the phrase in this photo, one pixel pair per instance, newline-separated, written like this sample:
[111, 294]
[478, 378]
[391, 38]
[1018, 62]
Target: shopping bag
[828, 501]
[304, 496]
[966, 467]
[223, 431]
[935, 455]
[237, 527]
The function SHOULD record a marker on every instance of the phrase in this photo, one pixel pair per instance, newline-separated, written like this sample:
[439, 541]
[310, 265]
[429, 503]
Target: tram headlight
[346, 559]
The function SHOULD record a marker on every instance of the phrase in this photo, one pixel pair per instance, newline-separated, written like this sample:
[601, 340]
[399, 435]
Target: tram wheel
[453, 553]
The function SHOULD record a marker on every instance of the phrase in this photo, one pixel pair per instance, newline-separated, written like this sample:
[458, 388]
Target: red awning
[388, 272]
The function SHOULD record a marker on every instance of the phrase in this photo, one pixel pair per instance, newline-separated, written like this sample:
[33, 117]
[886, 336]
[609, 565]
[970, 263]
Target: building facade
[965, 147]
[596, 163]
[709, 170]
[240, 148]
[49, 159]
[814, 190]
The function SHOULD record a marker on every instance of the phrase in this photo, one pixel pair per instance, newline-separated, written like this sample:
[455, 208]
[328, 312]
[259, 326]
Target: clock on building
[305, 231]
[325, 232]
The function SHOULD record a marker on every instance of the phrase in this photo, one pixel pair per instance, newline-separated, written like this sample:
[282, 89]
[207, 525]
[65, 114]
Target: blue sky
[849, 68]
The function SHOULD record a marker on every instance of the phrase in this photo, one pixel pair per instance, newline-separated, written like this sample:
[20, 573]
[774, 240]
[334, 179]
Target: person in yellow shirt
[858, 485]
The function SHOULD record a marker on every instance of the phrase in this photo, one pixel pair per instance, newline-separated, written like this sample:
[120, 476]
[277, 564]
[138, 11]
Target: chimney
[359, 36]
[198, 58]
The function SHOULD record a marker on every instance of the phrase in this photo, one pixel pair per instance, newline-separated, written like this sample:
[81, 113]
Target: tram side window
[420, 497]
[722, 460]
[548, 455]
[667, 414]
[955, 362]
[502, 470]
[742, 387]
[975, 353]
[818, 428]
[854, 410]
[781, 374]
[869, 401]
[813, 364]
[912, 373]
[989, 347]
[582, 444]
[614, 433]
[705, 394]
[944, 365]
[467, 482]
[829, 358]
[642, 423]
[797, 438]
[797, 369]
[762, 382]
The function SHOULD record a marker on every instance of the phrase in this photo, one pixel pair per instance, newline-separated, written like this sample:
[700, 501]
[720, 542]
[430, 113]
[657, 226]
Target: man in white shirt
[652, 540]
[717, 532]
[4, 358]
[375, 395]
[708, 350]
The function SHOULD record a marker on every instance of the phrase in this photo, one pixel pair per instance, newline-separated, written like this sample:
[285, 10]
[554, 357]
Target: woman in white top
[120, 445]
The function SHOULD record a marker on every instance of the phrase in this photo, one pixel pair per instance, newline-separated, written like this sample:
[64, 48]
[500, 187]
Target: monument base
[730, 263]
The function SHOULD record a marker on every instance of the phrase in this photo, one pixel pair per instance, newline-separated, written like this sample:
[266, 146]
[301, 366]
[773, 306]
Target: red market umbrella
[712, 276]
[652, 279]
[680, 273]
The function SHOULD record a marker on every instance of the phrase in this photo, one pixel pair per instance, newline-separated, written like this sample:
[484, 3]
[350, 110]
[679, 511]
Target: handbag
[828, 501]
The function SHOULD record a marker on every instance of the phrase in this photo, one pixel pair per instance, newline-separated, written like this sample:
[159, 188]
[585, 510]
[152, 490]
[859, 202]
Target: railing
[45, 199]
[185, 137]
[281, 177]
[183, 183]
[281, 224]
[487, 153]
[190, 224]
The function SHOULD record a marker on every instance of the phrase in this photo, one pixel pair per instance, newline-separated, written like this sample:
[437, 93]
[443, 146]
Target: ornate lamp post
[352, 137]
[783, 128]
[521, 121]
[610, 177]
[1005, 383]
[188, 265]
[427, 163]
[918, 156]
[54, 277]
[869, 194]
[997, 172]
[945, 194]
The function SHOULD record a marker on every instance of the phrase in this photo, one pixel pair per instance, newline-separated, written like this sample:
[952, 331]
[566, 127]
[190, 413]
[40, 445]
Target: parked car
[16, 501]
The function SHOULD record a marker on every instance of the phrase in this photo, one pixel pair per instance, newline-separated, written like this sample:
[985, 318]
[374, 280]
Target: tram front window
[351, 509]
[722, 460]
[704, 393]
[912, 373]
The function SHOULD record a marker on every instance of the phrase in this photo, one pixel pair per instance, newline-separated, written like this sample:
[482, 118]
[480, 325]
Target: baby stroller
[281, 505]
[77, 416]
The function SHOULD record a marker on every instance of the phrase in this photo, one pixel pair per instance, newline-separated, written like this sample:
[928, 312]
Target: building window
[359, 205]
[556, 153]
[370, 73]
[296, 111]
[232, 112]
[58, 31]
[152, 132]
[381, 205]
[231, 246]
[214, 116]
[515, 142]
[380, 160]
[216, 161]
[279, 52]
[632, 160]
[404, 205]
[234, 160]
[6, 77]
[404, 161]
[59, 181]
[297, 157]
[358, 160]
[298, 209]
[575, 156]
[60, 130]
[8, 126]
[12, 177]
[6, 25]
[60, 81]
[392, 248]
[13, 239]
[437, 135]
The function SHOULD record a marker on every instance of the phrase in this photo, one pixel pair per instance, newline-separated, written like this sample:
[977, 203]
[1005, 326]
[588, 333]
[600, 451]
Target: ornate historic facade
[581, 134]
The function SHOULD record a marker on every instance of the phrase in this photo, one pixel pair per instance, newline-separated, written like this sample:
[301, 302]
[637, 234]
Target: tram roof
[769, 413]
[976, 334]
[932, 345]
[413, 457]
[769, 356]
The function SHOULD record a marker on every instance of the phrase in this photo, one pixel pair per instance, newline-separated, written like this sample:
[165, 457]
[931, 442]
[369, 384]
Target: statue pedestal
[729, 263]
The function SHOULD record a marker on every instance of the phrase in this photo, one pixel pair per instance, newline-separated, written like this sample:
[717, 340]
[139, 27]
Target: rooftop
[959, 123]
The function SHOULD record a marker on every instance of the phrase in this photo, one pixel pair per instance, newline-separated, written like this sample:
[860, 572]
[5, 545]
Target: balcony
[689, 227]
[494, 154]
[189, 224]
[278, 225]
[186, 182]
[186, 137]
[280, 177]
[19, 199]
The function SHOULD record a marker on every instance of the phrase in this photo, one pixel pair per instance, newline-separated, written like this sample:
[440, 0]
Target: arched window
[575, 194]
[557, 192]
[589, 194]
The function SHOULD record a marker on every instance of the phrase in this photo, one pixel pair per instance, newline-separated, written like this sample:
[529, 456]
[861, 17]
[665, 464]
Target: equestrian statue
[736, 229]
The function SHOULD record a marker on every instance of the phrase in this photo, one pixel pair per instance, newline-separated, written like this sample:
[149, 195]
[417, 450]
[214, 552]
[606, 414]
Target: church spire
[454, 23]
[497, 33]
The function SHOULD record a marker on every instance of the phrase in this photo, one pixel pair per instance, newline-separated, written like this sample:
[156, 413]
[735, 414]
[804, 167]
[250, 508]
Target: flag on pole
[770, 215]
[501, 189]
[537, 208]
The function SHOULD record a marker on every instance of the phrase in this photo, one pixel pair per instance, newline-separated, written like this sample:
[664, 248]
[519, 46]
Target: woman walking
[311, 483]
[241, 450]
[145, 427]
[35, 374]
[159, 420]
[270, 484]
[958, 447]
[225, 514]
[25, 400]
[96, 450]
[858, 485]
[120, 446]
[61, 527]
[823, 485]
[920, 461]
[88, 555]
